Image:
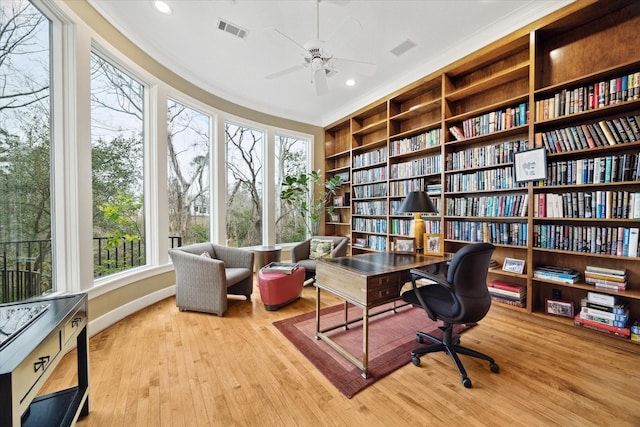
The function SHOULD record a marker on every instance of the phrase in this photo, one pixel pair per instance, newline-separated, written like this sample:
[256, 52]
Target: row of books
[508, 293]
[590, 97]
[556, 274]
[370, 225]
[598, 134]
[487, 155]
[424, 166]
[488, 179]
[602, 312]
[509, 205]
[404, 187]
[370, 158]
[595, 170]
[606, 278]
[418, 142]
[490, 232]
[588, 204]
[369, 175]
[370, 208]
[368, 191]
[616, 241]
[403, 226]
[493, 121]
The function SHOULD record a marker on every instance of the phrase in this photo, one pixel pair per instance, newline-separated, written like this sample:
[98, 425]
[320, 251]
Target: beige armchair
[300, 253]
[203, 283]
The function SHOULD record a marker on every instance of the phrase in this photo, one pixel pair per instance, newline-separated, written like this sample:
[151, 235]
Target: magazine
[280, 267]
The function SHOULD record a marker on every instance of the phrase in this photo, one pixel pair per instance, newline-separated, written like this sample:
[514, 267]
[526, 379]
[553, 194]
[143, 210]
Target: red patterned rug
[391, 339]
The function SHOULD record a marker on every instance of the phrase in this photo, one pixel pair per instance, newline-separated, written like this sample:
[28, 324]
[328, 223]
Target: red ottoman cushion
[279, 289]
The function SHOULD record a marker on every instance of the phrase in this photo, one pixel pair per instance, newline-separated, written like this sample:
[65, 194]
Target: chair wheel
[494, 368]
[467, 382]
[415, 360]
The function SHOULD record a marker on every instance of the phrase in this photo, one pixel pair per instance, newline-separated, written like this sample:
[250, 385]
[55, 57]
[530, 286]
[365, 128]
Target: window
[188, 174]
[244, 148]
[26, 265]
[292, 159]
[117, 150]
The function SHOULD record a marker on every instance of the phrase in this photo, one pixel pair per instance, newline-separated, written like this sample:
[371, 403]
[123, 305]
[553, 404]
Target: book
[599, 298]
[280, 267]
[515, 303]
[633, 241]
[606, 270]
[457, 133]
[605, 276]
[617, 309]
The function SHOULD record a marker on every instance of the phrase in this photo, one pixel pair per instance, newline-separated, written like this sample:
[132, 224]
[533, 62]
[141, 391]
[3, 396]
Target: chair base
[450, 344]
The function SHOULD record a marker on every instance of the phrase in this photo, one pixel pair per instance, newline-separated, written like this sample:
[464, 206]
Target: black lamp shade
[417, 202]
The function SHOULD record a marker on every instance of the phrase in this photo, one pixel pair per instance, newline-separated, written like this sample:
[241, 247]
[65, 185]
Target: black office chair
[461, 297]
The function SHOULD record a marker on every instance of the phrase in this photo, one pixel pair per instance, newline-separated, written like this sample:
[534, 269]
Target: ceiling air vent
[403, 47]
[232, 29]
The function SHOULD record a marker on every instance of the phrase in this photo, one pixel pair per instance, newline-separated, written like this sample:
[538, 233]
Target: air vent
[232, 29]
[403, 47]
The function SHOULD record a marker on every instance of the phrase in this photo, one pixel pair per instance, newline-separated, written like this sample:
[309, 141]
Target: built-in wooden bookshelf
[457, 129]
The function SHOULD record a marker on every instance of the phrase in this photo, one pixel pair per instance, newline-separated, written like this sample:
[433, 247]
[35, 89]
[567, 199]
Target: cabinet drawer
[31, 369]
[383, 288]
[74, 323]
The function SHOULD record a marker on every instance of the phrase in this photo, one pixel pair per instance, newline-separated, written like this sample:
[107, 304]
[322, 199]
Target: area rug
[391, 339]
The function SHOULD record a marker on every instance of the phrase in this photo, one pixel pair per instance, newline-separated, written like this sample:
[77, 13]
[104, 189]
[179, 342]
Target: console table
[29, 354]
[366, 281]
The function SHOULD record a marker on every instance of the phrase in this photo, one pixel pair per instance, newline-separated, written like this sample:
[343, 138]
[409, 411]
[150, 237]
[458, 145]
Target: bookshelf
[458, 128]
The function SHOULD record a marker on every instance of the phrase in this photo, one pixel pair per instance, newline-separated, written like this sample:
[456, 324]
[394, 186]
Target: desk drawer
[75, 322]
[35, 365]
[383, 288]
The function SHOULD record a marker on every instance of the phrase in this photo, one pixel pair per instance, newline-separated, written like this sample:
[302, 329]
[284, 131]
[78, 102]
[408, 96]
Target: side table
[264, 255]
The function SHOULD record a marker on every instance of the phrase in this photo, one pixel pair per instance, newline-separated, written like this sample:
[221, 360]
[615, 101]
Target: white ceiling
[189, 43]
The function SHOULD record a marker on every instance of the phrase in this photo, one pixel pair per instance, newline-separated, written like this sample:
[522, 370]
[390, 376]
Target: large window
[26, 265]
[189, 140]
[244, 150]
[292, 159]
[117, 161]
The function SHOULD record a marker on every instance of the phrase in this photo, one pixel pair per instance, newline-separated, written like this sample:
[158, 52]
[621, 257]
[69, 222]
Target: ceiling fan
[318, 60]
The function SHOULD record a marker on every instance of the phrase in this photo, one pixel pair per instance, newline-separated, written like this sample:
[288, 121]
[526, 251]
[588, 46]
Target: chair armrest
[340, 249]
[234, 257]
[300, 251]
[439, 281]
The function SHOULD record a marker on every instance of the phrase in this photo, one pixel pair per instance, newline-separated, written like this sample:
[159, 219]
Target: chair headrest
[469, 250]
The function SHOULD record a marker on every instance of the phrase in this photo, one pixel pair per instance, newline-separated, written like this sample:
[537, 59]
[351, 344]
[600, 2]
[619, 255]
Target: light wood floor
[162, 367]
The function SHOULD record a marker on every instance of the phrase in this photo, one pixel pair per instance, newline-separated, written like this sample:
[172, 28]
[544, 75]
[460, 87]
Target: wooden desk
[366, 281]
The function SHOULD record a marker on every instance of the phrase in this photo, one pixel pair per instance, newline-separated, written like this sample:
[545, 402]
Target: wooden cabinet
[455, 133]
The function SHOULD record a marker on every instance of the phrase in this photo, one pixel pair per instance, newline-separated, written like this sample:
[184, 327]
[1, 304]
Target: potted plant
[297, 192]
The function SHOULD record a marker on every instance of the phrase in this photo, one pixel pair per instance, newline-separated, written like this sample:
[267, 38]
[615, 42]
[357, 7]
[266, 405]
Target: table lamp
[417, 202]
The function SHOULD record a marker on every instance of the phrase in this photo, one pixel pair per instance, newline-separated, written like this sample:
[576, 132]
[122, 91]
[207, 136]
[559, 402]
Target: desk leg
[317, 313]
[365, 343]
[346, 315]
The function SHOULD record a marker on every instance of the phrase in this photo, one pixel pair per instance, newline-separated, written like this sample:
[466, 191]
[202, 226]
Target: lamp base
[417, 229]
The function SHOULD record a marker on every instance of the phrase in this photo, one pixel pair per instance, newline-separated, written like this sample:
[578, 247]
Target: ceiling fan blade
[282, 35]
[320, 80]
[364, 68]
[284, 72]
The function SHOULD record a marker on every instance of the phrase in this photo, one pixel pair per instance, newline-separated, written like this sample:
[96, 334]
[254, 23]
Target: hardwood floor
[162, 367]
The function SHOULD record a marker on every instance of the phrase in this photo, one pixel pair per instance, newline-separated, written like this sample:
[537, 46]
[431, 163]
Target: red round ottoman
[280, 289]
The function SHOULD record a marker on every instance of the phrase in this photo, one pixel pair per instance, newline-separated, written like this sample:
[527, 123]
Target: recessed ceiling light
[162, 7]
[350, 82]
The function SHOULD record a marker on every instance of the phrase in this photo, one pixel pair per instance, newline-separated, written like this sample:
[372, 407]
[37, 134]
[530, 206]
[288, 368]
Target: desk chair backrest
[468, 275]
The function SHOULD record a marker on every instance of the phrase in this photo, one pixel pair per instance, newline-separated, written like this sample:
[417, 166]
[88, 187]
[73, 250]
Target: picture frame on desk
[559, 308]
[530, 165]
[433, 244]
[513, 265]
[404, 245]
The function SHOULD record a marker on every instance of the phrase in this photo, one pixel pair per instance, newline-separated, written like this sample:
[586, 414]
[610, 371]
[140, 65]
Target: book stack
[603, 313]
[606, 278]
[556, 274]
[635, 332]
[508, 293]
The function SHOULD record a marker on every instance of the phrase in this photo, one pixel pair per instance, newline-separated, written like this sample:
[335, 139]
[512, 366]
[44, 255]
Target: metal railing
[26, 266]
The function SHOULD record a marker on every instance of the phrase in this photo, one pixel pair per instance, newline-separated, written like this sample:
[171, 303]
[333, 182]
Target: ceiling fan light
[350, 82]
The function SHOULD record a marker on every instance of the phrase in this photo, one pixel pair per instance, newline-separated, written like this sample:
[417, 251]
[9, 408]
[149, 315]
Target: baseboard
[103, 322]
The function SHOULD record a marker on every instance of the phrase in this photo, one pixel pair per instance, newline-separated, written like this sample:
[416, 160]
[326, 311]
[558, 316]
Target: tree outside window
[188, 173]
[26, 267]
